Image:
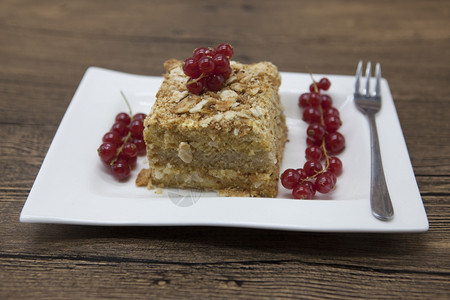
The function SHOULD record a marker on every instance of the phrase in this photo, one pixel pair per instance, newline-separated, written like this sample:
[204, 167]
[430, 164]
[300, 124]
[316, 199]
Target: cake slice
[230, 141]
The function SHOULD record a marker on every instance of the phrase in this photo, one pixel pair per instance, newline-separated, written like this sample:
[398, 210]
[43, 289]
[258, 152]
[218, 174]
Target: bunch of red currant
[123, 144]
[208, 68]
[323, 141]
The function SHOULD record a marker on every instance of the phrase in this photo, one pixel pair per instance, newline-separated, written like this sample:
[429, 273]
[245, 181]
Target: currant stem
[128, 104]
[121, 148]
[316, 88]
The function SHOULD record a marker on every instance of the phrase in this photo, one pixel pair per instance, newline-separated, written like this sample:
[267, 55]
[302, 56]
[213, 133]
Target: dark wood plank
[48, 45]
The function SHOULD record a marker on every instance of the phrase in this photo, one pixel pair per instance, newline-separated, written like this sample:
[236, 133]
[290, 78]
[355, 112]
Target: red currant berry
[302, 191]
[303, 100]
[323, 183]
[331, 111]
[225, 49]
[310, 141]
[314, 153]
[325, 101]
[302, 173]
[112, 137]
[334, 142]
[140, 145]
[316, 131]
[137, 129]
[311, 115]
[201, 52]
[332, 176]
[332, 123]
[206, 64]
[121, 170]
[335, 165]
[214, 82]
[324, 84]
[311, 186]
[129, 150]
[131, 161]
[314, 99]
[313, 88]
[107, 152]
[139, 116]
[227, 73]
[190, 68]
[120, 128]
[312, 167]
[195, 86]
[221, 64]
[123, 118]
[290, 178]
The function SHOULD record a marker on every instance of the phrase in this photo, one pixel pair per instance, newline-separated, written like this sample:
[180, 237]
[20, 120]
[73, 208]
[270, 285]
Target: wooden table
[46, 46]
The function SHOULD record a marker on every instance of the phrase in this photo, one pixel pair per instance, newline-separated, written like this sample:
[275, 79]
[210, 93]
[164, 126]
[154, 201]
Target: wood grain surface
[46, 46]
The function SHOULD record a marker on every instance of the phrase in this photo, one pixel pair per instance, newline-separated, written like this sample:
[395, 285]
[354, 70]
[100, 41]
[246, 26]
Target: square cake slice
[230, 141]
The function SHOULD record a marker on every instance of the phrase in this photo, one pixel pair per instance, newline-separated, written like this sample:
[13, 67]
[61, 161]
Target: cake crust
[230, 140]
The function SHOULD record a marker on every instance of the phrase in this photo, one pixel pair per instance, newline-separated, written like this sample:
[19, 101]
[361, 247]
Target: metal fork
[370, 104]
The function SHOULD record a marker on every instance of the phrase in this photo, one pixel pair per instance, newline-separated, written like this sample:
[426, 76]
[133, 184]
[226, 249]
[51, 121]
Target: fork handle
[380, 200]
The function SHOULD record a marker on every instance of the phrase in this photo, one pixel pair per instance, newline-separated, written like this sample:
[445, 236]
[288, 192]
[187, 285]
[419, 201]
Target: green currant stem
[128, 103]
[198, 78]
[121, 148]
[327, 158]
[316, 88]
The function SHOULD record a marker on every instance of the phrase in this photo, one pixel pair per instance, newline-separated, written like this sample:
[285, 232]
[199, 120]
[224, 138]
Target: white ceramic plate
[73, 188]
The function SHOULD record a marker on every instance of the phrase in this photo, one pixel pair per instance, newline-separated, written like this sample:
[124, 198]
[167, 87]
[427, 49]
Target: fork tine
[358, 76]
[368, 75]
[378, 79]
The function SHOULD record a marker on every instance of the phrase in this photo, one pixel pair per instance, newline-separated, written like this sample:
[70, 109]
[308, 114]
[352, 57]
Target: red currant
[129, 150]
[332, 123]
[302, 191]
[290, 178]
[334, 142]
[121, 170]
[324, 84]
[303, 100]
[201, 52]
[112, 137]
[302, 173]
[323, 183]
[123, 118]
[311, 141]
[311, 186]
[140, 146]
[335, 165]
[120, 128]
[227, 73]
[314, 99]
[214, 82]
[325, 101]
[312, 167]
[314, 153]
[206, 64]
[331, 111]
[107, 152]
[225, 49]
[195, 86]
[311, 115]
[316, 131]
[137, 128]
[139, 116]
[221, 63]
[190, 68]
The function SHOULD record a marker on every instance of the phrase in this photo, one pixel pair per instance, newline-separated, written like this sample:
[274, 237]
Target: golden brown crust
[232, 139]
[143, 178]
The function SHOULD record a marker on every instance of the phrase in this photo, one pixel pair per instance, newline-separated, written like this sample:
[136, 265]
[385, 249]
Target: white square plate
[72, 187]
